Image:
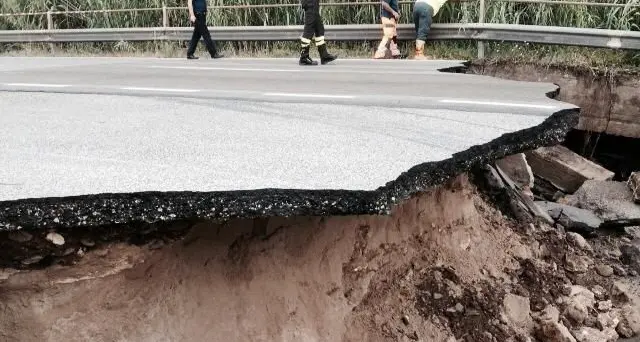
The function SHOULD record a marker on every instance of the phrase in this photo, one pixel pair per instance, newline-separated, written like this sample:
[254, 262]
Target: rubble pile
[593, 224]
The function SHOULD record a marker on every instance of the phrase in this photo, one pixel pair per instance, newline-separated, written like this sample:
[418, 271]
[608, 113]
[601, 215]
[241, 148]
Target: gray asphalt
[76, 126]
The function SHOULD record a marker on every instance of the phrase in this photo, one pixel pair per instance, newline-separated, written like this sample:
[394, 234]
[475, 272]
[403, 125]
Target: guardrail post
[50, 27]
[481, 21]
[165, 16]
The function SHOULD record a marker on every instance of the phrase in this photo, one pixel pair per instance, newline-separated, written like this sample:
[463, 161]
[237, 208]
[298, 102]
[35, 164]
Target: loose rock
[604, 270]
[609, 200]
[607, 320]
[631, 255]
[517, 311]
[87, 243]
[634, 184]
[555, 332]
[630, 320]
[619, 270]
[20, 236]
[32, 260]
[572, 218]
[605, 305]
[599, 292]
[55, 238]
[586, 334]
[578, 303]
[577, 263]
[578, 241]
[620, 292]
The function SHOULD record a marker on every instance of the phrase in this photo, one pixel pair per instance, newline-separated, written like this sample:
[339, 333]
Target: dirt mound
[445, 266]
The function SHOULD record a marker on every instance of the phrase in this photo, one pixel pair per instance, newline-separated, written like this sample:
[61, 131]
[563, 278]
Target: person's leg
[325, 56]
[395, 52]
[307, 34]
[387, 35]
[195, 37]
[201, 19]
[425, 13]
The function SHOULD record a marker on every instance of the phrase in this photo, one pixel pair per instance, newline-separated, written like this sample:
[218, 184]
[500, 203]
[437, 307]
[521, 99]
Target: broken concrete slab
[565, 169]
[634, 184]
[517, 168]
[609, 200]
[572, 218]
[520, 202]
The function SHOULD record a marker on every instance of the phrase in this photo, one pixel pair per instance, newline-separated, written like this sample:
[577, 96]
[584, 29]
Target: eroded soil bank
[447, 265]
[609, 101]
[609, 127]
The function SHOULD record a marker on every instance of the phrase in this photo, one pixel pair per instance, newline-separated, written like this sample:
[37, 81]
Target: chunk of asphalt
[572, 218]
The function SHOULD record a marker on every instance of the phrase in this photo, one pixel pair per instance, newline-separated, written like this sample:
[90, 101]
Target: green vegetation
[286, 12]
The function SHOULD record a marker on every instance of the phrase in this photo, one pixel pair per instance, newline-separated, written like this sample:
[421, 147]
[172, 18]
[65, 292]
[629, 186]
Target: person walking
[313, 26]
[389, 15]
[198, 17]
[423, 13]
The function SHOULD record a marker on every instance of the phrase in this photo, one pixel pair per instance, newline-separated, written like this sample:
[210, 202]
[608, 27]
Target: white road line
[306, 69]
[37, 85]
[503, 104]
[223, 68]
[161, 89]
[310, 95]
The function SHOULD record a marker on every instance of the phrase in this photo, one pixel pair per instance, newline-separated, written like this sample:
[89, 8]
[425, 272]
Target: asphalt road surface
[77, 126]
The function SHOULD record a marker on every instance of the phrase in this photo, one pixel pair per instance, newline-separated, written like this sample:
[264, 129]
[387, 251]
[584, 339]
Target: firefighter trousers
[313, 25]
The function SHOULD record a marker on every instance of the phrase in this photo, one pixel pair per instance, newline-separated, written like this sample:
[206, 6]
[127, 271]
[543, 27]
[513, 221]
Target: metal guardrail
[479, 32]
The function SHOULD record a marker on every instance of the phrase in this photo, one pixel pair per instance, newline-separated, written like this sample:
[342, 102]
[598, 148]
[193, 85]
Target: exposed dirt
[609, 102]
[445, 266]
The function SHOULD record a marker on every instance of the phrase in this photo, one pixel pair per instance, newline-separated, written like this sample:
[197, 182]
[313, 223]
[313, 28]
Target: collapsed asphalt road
[109, 140]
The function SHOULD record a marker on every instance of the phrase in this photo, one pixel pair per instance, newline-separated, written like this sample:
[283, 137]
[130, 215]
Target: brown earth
[445, 266]
[609, 101]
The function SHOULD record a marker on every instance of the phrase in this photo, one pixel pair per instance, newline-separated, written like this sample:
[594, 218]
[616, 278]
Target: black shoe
[192, 57]
[325, 56]
[305, 59]
[216, 56]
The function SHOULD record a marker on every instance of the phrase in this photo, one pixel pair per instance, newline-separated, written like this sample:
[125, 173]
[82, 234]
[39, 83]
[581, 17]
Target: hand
[396, 15]
[192, 18]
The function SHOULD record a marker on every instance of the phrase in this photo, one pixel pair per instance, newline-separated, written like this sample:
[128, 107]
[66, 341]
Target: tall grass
[626, 17]
[622, 18]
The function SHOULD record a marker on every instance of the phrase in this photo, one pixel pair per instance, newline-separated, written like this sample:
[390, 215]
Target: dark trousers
[422, 18]
[200, 29]
[312, 21]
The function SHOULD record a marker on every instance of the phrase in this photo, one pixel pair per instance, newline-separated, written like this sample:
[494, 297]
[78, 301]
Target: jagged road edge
[119, 208]
[122, 208]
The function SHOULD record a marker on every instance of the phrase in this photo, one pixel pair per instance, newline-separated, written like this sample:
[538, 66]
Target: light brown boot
[380, 54]
[419, 50]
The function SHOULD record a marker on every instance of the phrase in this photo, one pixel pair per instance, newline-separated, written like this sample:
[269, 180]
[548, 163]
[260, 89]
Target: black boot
[325, 56]
[305, 59]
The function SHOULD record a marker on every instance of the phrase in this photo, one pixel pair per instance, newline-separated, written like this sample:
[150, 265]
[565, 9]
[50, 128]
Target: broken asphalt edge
[151, 207]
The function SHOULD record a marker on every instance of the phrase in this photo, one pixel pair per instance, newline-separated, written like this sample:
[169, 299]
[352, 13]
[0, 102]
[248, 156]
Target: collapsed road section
[160, 139]
[144, 208]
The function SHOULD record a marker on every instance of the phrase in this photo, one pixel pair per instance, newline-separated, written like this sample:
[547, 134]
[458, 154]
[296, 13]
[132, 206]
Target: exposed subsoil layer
[445, 264]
